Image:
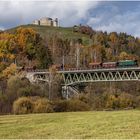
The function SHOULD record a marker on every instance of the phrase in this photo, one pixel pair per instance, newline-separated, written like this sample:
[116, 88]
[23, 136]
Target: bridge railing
[79, 69]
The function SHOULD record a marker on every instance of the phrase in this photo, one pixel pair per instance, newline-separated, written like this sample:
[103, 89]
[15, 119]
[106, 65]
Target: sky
[119, 16]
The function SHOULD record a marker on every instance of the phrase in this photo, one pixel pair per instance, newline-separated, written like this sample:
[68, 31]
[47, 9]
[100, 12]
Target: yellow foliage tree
[124, 56]
[25, 35]
[7, 46]
[9, 71]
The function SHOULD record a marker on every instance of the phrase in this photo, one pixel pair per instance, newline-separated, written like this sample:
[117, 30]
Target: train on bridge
[94, 65]
[105, 65]
[118, 64]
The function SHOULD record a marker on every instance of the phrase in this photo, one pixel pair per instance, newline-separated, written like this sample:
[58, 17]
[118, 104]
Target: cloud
[114, 20]
[1, 28]
[106, 16]
[13, 13]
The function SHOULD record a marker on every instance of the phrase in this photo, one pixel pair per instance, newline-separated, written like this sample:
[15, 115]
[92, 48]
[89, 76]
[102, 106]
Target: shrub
[126, 100]
[112, 102]
[84, 98]
[23, 105]
[137, 102]
[77, 105]
[70, 105]
[37, 90]
[42, 105]
[25, 91]
[60, 106]
[4, 106]
[14, 83]
[120, 101]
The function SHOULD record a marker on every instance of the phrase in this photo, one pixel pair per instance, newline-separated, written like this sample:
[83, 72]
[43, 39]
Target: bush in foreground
[120, 101]
[77, 105]
[42, 105]
[60, 106]
[70, 105]
[23, 105]
[36, 104]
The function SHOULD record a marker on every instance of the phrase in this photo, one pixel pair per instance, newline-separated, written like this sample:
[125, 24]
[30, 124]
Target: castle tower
[36, 22]
[55, 22]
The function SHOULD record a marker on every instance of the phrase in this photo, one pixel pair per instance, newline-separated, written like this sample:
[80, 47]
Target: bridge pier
[69, 91]
[65, 92]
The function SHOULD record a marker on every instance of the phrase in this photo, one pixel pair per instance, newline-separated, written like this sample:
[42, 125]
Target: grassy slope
[66, 32]
[117, 124]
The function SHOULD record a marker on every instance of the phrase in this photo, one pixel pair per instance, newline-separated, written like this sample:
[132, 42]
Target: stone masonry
[46, 22]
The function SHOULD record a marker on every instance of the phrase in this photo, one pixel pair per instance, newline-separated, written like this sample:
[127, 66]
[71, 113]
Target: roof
[47, 18]
[95, 63]
[109, 62]
[126, 60]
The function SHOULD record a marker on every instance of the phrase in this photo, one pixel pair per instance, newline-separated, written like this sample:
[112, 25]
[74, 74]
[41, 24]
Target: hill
[80, 125]
[103, 46]
[27, 49]
[65, 32]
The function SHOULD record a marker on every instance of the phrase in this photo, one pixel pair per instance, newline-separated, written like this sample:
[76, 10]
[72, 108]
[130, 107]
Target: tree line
[25, 47]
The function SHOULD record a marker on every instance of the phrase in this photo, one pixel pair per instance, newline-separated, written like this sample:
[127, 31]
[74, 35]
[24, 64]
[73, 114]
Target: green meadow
[101, 124]
[65, 32]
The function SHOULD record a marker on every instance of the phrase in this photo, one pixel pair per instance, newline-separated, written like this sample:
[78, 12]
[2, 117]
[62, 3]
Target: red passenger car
[109, 65]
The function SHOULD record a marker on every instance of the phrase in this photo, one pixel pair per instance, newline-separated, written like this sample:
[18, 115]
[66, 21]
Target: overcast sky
[101, 15]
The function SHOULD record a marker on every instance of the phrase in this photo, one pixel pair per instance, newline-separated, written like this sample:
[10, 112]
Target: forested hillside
[85, 43]
[43, 47]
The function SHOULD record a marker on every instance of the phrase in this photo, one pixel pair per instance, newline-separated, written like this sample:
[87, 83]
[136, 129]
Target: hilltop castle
[46, 22]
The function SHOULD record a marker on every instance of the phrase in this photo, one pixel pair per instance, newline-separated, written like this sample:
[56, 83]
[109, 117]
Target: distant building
[36, 22]
[46, 22]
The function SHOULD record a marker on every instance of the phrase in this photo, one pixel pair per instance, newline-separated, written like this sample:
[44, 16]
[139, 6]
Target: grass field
[65, 32]
[116, 124]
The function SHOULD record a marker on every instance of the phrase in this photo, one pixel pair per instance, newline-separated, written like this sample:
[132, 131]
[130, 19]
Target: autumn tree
[131, 45]
[7, 47]
[99, 54]
[26, 41]
[114, 43]
[64, 48]
[9, 71]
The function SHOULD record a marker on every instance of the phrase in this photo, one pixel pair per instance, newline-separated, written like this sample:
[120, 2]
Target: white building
[46, 22]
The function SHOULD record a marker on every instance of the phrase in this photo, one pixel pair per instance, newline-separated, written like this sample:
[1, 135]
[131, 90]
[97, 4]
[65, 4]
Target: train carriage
[109, 65]
[95, 65]
[127, 63]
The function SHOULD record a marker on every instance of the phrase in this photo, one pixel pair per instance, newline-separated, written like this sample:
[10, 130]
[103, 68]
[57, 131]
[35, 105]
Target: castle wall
[46, 22]
[55, 23]
[36, 22]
